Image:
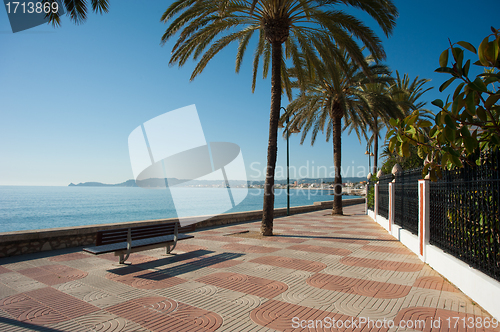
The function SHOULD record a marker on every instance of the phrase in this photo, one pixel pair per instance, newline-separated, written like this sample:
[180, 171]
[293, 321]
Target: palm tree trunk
[375, 152]
[337, 162]
[266, 227]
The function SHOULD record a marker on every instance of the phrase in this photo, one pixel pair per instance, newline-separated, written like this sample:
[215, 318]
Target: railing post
[423, 216]
[375, 200]
[392, 191]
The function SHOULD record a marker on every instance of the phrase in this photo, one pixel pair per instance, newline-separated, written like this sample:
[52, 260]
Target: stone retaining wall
[24, 242]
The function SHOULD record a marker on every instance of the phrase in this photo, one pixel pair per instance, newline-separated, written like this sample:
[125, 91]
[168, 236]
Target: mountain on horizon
[156, 183]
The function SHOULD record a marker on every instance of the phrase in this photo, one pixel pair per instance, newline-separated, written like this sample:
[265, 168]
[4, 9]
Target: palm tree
[384, 107]
[370, 134]
[335, 92]
[205, 27]
[407, 95]
[77, 10]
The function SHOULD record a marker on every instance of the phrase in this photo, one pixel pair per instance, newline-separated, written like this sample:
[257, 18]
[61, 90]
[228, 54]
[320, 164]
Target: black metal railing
[406, 199]
[383, 195]
[464, 214]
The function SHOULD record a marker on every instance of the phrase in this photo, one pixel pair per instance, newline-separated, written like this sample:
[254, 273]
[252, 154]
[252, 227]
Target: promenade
[317, 271]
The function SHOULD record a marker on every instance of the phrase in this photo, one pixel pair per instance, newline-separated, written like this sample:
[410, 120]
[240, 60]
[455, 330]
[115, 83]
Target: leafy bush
[467, 124]
[370, 195]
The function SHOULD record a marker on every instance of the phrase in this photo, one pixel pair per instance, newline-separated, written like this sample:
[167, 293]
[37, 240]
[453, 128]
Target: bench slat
[135, 243]
[141, 238]
[140, 232]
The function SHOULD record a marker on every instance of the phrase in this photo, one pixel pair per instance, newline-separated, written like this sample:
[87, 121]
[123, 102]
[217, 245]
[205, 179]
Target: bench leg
[129, 246]
[170, 248]
[123, 258]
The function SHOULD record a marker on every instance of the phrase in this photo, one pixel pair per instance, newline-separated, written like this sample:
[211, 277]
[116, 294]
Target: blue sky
[70, 96]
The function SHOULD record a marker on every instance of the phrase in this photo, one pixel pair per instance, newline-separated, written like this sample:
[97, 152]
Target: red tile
[382, 264]
[246, 284]
[358, 286]
[53, 274]
[63, 303]
[290, 263]
[321, 250]
[4, 270]
[283, 316]
[144, 279]
[162, 314]
[283, 239]
[32, 312]
[45, 306]
[68, 257]
[392, 250]
[435, 282]
[220, 238]
[188, 247]
[249, 248]
[342, 240]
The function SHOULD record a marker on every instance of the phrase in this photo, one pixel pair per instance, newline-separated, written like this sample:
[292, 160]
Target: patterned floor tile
[318, 266]
[382, 264]
[64, 304]
[321, 249]
[435, 282]
[290, 263]
[69, 257]
[249, 248]
[163, 314]
[246, 284]
[53, 274]
[358, 286]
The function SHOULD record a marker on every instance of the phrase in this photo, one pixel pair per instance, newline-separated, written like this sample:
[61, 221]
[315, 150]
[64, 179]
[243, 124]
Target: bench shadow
[26, 325]
[196, 261]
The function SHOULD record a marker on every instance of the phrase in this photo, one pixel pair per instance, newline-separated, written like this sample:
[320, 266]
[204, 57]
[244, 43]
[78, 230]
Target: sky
[70, 96]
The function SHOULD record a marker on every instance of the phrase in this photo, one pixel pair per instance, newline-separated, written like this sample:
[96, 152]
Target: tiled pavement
[318, 268]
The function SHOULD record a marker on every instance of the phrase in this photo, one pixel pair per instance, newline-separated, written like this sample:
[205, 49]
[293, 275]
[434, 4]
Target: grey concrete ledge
[20, 242]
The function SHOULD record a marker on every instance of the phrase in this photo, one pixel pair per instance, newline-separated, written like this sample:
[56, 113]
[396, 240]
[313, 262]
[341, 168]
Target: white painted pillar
[392, 192]
[423, 217]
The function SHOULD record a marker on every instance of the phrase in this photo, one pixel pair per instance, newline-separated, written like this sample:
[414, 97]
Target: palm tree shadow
[333, 238]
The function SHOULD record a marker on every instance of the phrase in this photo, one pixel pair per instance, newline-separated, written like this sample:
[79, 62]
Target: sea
[32, 208]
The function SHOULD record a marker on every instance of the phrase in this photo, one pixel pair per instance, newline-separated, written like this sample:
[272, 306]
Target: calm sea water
[26, 208]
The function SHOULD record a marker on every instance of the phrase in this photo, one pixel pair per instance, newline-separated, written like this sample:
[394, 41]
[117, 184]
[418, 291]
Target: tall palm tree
[77, 10]
[383, 108]
[205, 27]
[373, 139]
[367, 129]
[334, 92]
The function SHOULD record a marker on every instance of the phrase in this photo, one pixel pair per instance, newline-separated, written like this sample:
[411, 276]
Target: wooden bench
[125, 241]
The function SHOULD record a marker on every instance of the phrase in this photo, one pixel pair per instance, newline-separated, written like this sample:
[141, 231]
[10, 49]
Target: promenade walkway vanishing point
[318, 271]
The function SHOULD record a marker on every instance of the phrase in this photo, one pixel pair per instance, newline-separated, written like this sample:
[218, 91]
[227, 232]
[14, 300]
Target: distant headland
[158, 183]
